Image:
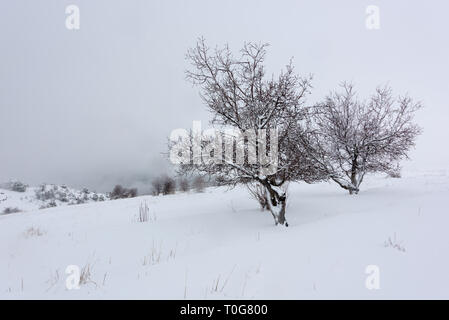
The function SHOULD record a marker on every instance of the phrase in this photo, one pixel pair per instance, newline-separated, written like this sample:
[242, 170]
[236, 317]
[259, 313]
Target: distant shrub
[10, 210]
[34, 232]
[15, 185]
[144, 212]
[45, 192]
[18, 186]
[157, 186]
[50, 193]
[120, 192]
[50, 204]
[199, 184]
[184, 185]
[117, 192]
[395, 173]
[132, 193]
[168, 186]
[163, 184]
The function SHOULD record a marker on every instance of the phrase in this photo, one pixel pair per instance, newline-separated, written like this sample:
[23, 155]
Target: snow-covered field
[218, 244]
[46, 196]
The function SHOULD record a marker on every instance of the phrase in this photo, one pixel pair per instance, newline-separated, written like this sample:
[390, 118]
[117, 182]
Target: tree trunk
[354, 181]
[277, 203]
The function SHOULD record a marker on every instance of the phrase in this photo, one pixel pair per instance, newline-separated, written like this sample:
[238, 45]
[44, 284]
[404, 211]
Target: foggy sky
[95, 106]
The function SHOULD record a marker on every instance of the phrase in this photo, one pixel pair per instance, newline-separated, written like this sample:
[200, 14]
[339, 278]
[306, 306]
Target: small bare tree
[199, 184]
[120, 192]
[184, 185]
[351, 137]
[156, 184]
[168, 185]
[239, 95]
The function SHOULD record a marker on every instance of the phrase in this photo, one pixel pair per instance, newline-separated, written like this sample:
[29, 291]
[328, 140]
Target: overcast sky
[95, 105]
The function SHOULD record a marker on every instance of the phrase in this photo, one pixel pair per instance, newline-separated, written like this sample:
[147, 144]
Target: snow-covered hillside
[218, 244]
[45, 196]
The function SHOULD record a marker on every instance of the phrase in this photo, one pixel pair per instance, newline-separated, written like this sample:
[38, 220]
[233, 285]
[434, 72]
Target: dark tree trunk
[354, 181]
[277, 204]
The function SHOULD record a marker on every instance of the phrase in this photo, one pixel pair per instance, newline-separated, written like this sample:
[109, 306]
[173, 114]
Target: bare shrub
[86, 274]
[144, 212]
[10, 210]
[157, 186]
[394, 172]
[33, 232]
[50, 193]
[49, 204]
[53, 280]
[172, 253]
[394, 243]
[120, 192]
[218, 284]
[15, 185]
[168, 185]
[154, 257]
[132, 193]
[199, 184]
[184, 185]
[45, 192]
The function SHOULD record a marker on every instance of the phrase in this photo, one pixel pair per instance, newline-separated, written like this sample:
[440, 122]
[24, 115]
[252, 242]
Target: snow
[35, 198]
[219, 245]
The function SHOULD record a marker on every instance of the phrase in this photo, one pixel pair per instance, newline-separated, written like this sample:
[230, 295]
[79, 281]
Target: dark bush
[18, 186]
[120, 192]
[10, 210]
[157, 186]
[45, 192]
[14, 185]
[50, 204]
[184, 185]
[168, 186]
[199, 184]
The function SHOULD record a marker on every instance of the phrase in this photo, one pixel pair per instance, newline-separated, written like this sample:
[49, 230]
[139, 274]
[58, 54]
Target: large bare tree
[241, 96]
[352, 137]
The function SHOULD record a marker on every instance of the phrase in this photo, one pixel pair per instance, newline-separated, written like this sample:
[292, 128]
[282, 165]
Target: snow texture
[218, 244]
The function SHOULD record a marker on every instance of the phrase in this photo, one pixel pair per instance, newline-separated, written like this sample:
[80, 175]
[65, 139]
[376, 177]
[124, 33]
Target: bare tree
[120, 192]
[184, 185]
[168, 185]
[239, 95]
[199, 184]
[156, 184]
[352, 137]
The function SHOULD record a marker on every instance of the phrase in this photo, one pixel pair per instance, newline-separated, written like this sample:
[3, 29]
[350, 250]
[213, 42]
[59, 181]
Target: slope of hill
[45, 196]
[218, 244]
